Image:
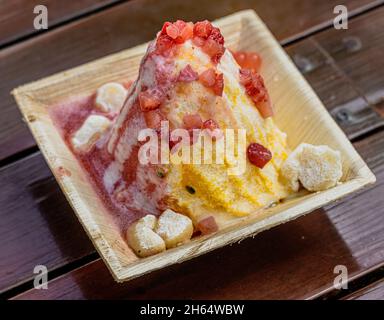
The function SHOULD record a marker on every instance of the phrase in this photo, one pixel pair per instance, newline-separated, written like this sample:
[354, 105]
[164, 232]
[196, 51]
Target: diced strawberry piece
[188, 74]
[219, 85]
[147, 103]
[153, 119]
[209, 39]
[198, 41]
[208, 77]
[245, 76]
[202, 29]
[254, 61]
[163, 43]
[186, 32]
[216, 58]
[213, 49]
[192, 121]
[258, 155]
[207, 225]
[127, 84]
[150, 99]
[216, 36]
[164, 28]
[210, 124]
[256, 90]
[265, 108]
[172, 31]
[240, 57]
[248, 60]
[180, 24]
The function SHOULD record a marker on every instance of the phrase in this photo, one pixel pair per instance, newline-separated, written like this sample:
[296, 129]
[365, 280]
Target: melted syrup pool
[68, 116]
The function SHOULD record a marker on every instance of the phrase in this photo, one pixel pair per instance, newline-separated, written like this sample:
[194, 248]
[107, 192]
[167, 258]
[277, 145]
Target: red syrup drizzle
[68, 116]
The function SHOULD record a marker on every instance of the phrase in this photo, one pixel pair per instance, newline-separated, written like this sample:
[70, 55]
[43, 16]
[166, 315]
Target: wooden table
[292, 261]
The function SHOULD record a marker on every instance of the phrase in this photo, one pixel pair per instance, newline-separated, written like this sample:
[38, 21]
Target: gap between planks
[31, 34]
[328, 24]
[53, 274]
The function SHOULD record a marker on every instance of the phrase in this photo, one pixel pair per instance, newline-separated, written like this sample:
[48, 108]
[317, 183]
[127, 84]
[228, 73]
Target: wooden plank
[35, 218]
[357, 53]
[346, 103]
[16, 16]
[375, 291]
[126, 25]
[292, 261]
[361, 43]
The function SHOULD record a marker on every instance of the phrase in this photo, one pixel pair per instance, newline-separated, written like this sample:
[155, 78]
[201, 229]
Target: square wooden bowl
[299, 113]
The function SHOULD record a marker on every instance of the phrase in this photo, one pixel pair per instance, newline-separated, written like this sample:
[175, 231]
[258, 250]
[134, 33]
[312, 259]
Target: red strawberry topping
[204, 35]
[210, 39]
[210, 79]
[202, 29]
[173, 33]
[150, 99]
[213, 129]
[186, 32]
[210, 124]
[248, 60]
[207, 225]
[256, 90]
[188, 74]
[216, 36]
[192, 121]
[258, 155]
[164, 43]
[219, 85]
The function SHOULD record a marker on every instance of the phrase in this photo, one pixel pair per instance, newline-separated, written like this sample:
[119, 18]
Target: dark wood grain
[292, 261]
[375, 291]
[16, 16]
[352, 51]
[129, 24]
[357, 53]
[344, 67]
[37, 224]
